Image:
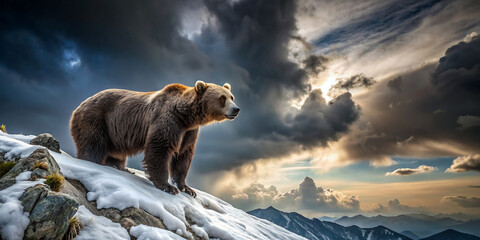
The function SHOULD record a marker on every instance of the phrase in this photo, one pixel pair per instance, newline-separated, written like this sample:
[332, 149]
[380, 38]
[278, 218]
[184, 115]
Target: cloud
[319, 121]
[395, 84]
[465, 163]
[394, 206]
[346, 84]
[466, 202]
[355, 81]
[314, 64]
[468, 121]
[308, 196]
[411, 171]
[421, 120]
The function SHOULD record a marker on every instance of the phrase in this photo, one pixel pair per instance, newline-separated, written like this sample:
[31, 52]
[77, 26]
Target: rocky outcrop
[40, 163]
[49, 211]
[46, 140]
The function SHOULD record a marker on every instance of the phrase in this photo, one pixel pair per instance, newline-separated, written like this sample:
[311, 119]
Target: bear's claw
[168, 188]
[188, 190]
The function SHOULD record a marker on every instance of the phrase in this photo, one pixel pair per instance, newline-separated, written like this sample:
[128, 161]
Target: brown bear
[116, 123]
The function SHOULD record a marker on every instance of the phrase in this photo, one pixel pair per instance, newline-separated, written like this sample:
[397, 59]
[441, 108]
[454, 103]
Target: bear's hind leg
[91, 139]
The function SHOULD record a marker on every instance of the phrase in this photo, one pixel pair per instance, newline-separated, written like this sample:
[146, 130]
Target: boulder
[50, 212]
[46, 140]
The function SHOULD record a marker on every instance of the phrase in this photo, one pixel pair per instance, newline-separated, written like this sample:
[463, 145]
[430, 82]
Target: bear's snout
[235, 110]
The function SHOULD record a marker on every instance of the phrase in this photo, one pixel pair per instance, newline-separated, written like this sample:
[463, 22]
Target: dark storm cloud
[346, 84]
[423, 119]
[114, 40]
[395, 84]
[466, 202]
[314, 64]
[319, 121]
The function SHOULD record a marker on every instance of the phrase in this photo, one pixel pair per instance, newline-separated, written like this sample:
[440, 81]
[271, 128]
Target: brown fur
[115, 123]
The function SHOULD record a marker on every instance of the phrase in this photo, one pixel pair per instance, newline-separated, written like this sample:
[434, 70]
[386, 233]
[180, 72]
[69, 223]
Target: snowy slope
[111, 188]
[323, 230]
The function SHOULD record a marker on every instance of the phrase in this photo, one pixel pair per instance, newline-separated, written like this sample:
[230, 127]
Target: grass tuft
[3, 128]
[55, 181]
[73, 229]
[5, 167]
[41, 165]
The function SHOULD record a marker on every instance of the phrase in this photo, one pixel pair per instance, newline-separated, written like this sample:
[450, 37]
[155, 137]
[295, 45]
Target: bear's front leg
[181, 163]
[161, 145]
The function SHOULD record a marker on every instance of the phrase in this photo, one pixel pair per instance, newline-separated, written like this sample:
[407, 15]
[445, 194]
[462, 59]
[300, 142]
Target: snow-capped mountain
[421, 225]
[112, 190]
[323, 230]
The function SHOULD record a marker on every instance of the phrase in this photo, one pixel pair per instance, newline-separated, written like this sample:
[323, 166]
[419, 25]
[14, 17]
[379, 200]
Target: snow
[98, 227]
[288, 219]
[208, 216]
[14, 220]
[19, 137]
[142, 232]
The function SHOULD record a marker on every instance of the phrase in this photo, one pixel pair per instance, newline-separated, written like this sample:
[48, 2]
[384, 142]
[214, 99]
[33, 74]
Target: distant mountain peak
[318, 230]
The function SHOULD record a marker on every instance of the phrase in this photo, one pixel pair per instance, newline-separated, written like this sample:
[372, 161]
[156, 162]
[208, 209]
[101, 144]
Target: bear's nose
[236, 110]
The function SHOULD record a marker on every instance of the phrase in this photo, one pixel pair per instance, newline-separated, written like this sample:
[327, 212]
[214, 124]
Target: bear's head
[217, 101]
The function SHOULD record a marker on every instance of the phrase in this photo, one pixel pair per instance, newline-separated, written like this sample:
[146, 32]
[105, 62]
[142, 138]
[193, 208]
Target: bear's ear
[227, 86]
[200, 86]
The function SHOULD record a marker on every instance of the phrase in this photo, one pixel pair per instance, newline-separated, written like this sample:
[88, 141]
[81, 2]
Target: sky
[348, 107]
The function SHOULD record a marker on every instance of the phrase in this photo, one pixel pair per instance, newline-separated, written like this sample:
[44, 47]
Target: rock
[26, 164]
[46, 140]
[127, 223]
[31, 196]
[140, 216]
[40, 163]
[50, 212]
[111, 213]
[45, 164]
[77, 191]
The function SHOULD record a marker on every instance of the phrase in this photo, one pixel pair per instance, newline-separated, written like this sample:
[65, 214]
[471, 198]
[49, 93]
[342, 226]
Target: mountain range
[323, 230]
[410, 226]
[421, 225]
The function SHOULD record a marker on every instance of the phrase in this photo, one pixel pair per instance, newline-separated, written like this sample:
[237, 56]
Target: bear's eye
[222, 100]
